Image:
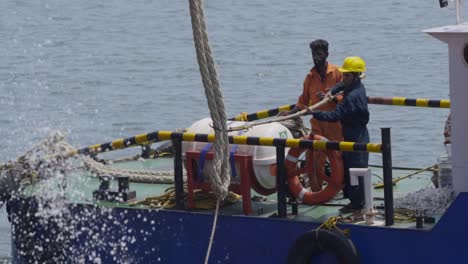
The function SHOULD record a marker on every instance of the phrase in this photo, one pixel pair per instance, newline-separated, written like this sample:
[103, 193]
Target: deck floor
[80, 187]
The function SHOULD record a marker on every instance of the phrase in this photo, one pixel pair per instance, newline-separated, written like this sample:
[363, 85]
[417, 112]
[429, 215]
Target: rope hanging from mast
[220, 181]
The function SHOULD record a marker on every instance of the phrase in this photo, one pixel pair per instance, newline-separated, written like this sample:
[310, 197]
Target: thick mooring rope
[220, 181]
[145, 176]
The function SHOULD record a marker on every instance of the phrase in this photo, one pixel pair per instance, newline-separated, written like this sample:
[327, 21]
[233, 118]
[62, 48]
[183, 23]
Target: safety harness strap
[232, 162]
[201, 161]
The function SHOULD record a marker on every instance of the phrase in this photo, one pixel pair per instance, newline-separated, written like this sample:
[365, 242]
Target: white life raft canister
[263, 157]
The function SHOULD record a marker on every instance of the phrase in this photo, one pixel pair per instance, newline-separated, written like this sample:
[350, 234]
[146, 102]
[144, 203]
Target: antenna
[458, 8]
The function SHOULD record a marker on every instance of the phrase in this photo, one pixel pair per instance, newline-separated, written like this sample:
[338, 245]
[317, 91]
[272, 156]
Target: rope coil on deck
[203, 200]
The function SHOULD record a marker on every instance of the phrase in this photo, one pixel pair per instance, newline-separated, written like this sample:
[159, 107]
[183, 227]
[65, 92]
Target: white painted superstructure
[456, 36]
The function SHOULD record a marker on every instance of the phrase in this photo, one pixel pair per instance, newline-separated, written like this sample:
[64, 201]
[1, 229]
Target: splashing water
[54, 220]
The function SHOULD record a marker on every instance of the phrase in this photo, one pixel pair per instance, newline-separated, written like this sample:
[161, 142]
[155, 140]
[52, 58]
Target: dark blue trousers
[355, 160]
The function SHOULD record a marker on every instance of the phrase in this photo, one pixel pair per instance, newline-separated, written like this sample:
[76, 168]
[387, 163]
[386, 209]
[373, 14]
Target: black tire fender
[317, 241]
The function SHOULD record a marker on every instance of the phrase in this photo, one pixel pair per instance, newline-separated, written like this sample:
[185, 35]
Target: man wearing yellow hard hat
[353, 114]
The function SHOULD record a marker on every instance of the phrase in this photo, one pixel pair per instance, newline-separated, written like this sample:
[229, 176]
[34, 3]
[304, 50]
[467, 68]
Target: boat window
[465, 53]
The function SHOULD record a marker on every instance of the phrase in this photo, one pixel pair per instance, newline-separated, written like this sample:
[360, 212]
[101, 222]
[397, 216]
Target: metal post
[281, 183]
[294, 206]
[387, 175]
[178, 174]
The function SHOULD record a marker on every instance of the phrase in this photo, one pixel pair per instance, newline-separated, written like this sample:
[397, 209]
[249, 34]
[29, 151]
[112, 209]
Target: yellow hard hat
[353, 64]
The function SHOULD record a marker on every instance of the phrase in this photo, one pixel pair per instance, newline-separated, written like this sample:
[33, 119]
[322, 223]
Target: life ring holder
[335, 181]
[317, 241]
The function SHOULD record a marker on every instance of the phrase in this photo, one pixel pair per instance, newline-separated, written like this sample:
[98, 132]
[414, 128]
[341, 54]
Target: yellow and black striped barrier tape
[402, 101]
[241, 140]
[397, 101]
[261, 114]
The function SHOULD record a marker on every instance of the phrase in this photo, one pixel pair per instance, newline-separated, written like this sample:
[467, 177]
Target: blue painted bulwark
[163, 236]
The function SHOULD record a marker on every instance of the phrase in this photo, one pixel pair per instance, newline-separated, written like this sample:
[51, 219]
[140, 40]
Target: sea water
[101, 70]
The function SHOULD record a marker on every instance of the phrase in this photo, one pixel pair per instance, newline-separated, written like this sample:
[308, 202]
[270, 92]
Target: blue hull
[161, 236]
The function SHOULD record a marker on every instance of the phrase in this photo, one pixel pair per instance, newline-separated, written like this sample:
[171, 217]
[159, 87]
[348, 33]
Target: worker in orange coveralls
[317, 83]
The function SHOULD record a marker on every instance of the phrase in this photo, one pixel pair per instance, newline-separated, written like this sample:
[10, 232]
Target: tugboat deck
[80, 187]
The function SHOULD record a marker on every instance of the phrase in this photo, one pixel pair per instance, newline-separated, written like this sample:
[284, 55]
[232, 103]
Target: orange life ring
[335, 181]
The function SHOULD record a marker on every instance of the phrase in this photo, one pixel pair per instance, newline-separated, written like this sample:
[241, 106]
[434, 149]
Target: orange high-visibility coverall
[314, 84]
